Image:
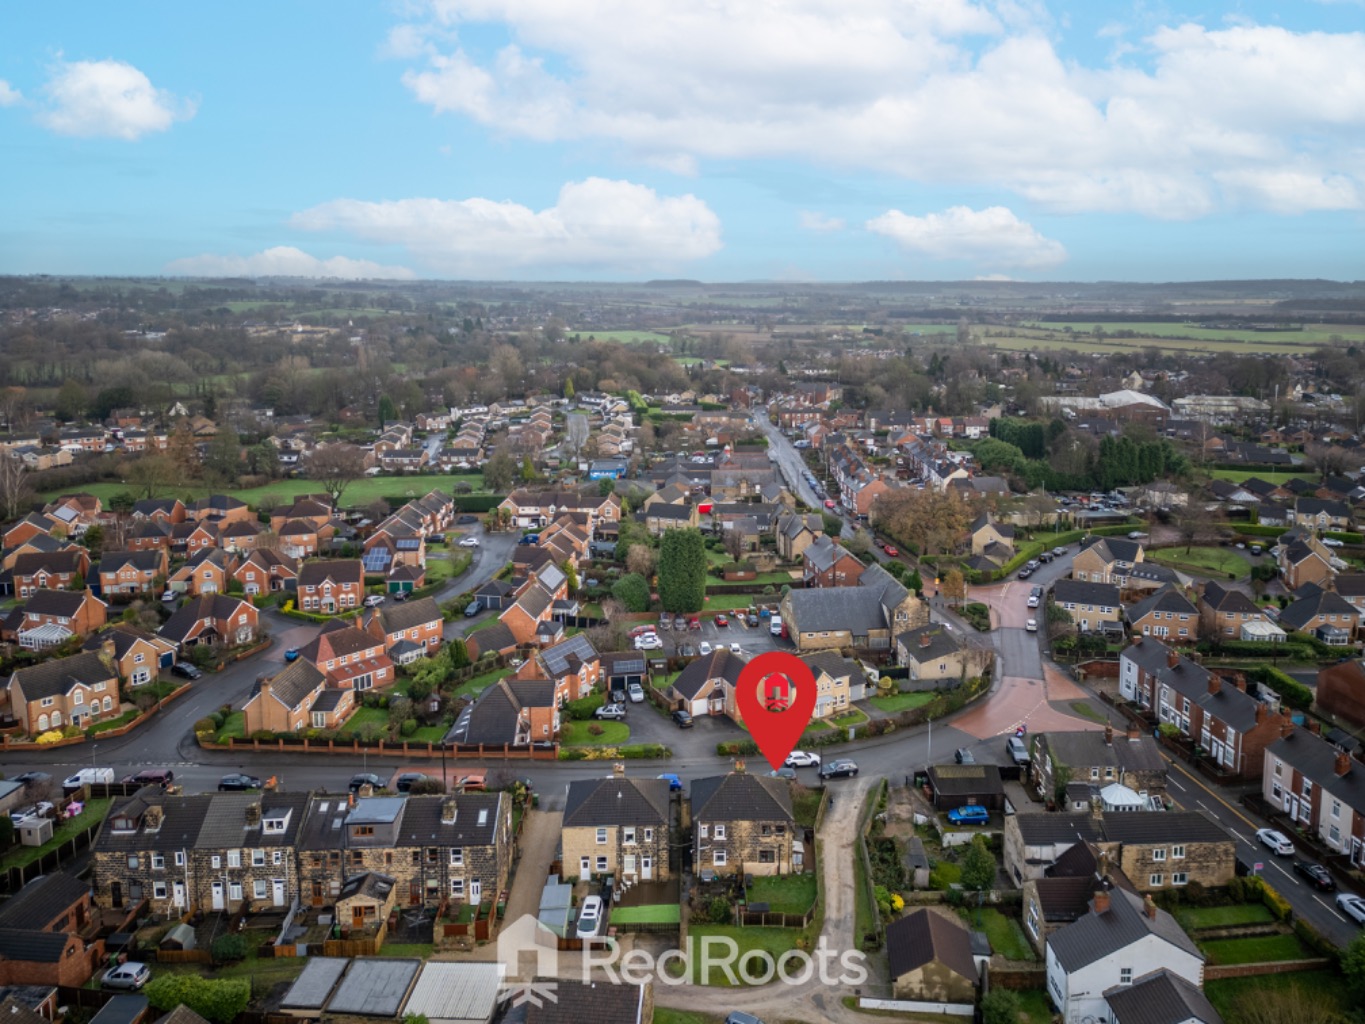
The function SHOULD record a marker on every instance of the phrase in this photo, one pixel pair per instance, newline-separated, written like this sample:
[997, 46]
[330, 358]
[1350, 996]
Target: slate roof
[1309, 506]
[57, 602]
[966, 779]
[60, 561]
[1047, 829]
[596, 1002]
[740, 796]
[13, 1011]
[1083, 592]
[823, 552]
[1230, 705]
[856, 609]
[719, 664]
[293, 683]
[38, 902]
[1167, 599]
[406, 615]
[338, 570]
[1096, 936]
[1350, 584]
[1066, 898]
[941, 643]
[1227, 599]
[497, 637]
[1160, 998]
[495, 588]
[24, 944]
[921, 937]
[832, 664]
[494, 716]
[421, 822]
[1112, 549]
[182, 1014]
[1316, 759]
[1301, 612]
[595, 803]
[149, 506]
[1086, 748]
[218, 607]
[58, 676]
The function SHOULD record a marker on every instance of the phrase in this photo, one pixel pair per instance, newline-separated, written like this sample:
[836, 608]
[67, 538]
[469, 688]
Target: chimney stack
[1261, 712]
[449, 810]
[253, 814]
[1315, 727]
[1343, 763]
[1172, 659]
[1134, 733]
[924, 640]
[618, 770]
[1286, 723]
[1137, 640]
[1215, 684]
[1149, 907]
[1102, 901]
[1241, 681]
[1108, 734]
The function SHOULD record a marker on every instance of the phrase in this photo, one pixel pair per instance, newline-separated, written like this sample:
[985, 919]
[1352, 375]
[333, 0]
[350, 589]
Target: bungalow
[930, 957]
[213, 619]
[125, 574]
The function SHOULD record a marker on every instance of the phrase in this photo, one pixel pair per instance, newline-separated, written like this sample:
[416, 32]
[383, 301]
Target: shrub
[408, 727]
[582, 709]
[594, 729]
[206, 725]
[228, 947]
[217, 1000]
[1000, 1006]
[719, 910]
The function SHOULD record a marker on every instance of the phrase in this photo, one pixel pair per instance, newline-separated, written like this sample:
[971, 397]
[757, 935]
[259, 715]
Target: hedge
[1291, 691]
[1033, 548]
[634, 751]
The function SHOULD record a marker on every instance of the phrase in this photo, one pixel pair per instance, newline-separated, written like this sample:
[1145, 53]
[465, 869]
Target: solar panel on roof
[376, 560]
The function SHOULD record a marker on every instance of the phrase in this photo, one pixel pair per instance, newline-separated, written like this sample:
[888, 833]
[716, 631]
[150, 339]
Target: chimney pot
[1102, 901]
[1172, 659]
[1149, 907]
[1315, 727]
[618, 770]
[1215, 684]
[1261, 712]
[1343, 764]
[1134, 733]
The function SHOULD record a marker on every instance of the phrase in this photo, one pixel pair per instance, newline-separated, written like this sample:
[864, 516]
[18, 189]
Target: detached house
[127, 574]
[410, 630]
[617, 827]
[516, 712]
[64, 691]
[1106, 560]
[350, 657]
[929, 953]
[330, 586]
[214, 619]
[1322, 513]
[56, 570]
[1325, 614]
[1093, 606]
[743, 824]
[707, 685]
[796, 531]
[296, 698]
[1231, 615]
[1304, 559]
[937, 658]
[826, 564]
[865, 616]
[51, 617]
[1166, 615]
[573, 665]
[1320, 786]
[138, 655]
[266, 571]
[207, 572]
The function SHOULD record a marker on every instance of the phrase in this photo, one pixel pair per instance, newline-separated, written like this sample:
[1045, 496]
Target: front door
[278, 887]
[646, 868]
[218, 896]
[178, 894]
[474, 891]
[318, 898]
[116, 894]
[357, 916]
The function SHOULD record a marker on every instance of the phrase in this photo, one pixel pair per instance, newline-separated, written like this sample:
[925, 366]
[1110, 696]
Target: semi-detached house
[1320, 787]
[618, 827]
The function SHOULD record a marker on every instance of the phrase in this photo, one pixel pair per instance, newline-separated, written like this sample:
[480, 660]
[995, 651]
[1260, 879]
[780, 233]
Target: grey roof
[823, 552]
[113, 561]
[42, 900]
[1113, 548]
[740, 796]
[1154, 572]
[856, 609]
[719, 664]
[57, 677]
[617, 801]
[497, 637]
[594, 1002]
[14, 1010]
[1230, 705]
[1046, 829]
[449, 992]
[940, 643]
[338, 570]
[225, 823]
[124, 1008]
[1096, 936]
[1088, 749]
[293, 683]
[921, 937]
[494, 716]
[370, 884]
[1316, 759]
[206, 606]
[406, 615]
[495, 588]
[1160, 998]
[1173, 826]
[623, 663]
[57, 602]
[1082, 592]
[1301, 612]
[1228, 599]
[477, 816]
[890, 592]
[33, 946]
[376, 810]
[374, 987]
[182, 1014]
[792, 523]
[1167, 599]
[832, 664]
[315, 983]
[966, 779]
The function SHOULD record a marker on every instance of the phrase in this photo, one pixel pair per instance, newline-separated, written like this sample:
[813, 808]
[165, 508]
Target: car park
[802, 759]
[130, 976]
[964, 756]
[682, 719]
[636, 692]
[1018, 753]
[648, 642]
[722, 621]
[589, 917]
[1352, 906]
[365, 779]
[238, 782]
[1275, 841]
[972, 814]
[694, 622]
[615, 712]
[686, 650]
[705, 648]
[840, 769]
[473, 608]
[185, 670]
[1317, 875]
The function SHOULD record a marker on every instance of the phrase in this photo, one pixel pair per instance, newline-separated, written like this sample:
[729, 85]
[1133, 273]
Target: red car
[890, 550]
[694, 622]
[640, 631]
[829, 503]
[722, 620]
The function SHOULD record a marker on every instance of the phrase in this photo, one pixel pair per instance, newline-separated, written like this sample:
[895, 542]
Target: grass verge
[897, 702]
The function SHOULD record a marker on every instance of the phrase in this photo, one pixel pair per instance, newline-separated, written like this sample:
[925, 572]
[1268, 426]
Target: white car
[704, 648]
[1031, 625]
[1332, 542]
[374, 600]
[469, 542]
[735, 648]
[1276, 841]
[1352, 906]
[648, 642]
[590, 917]
[636, 693]
[802, 759]
[127, 975]
[1033, 600]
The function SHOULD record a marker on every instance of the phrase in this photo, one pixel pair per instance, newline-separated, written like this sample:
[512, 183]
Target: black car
[1024, 573]
[964, 756]
[150, 777]
[682, 719]
[365, 779]
[238, 782]
[473, 608]
[466, 520]
[32, 778]
[185, 670]
[843, 768]
[407, 780]
[1318, 876]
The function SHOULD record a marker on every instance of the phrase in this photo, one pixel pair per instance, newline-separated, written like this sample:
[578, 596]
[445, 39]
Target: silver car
[130, 976]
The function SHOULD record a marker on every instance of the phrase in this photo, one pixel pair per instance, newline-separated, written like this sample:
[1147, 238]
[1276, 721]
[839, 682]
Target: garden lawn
[575, 734]
[1224, 917]
[898, 702]
[775, 941]
[663, 1015]
[721, 602]
[416, 950]
[664, 681]
[94, 812]
[850, 717]
[653, 913]
[1007, 938]
[366, 716]
[476, 685]
[1203, 561]
[1239, 476]
[943, 874]
[806, 804]
[1086, 711]
[1034, 1005]
[1328, 986]
[234, 725]
[105, 724]
[428, 734]
[788, 894]
[1255, 950]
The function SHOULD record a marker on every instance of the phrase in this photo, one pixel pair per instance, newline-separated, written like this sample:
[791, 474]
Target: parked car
[1332, 542]
[615, 712]
[964, 756]
[93, 776]
[589, 917]
[740, 1017]
[1015, 748]
[366, 779]
[735, 648]
[680, 621]
[640, 631]
[1031, 625]
[473, 608]
[374, 600]
[466, 520]
[1318, 876]
[891, 550]
[783, 773]
[469, 542]
[185, 670]
[665, 621]
[648, 642]
[150, 777]
[1060, 549]
[694, 622]
[292, 654]
[530, 538]
[1046, 557]
[169, 597]
[636, 692]
[972, 814]
[686, 650]
[1275, 841]
[1024, 573]
[722, 621]
[751, 619]
[704, 648]
[802, 759]
[1352, 906]
[682, 719]
[237, 782]
[617, 696]
[129, 975]
[1033, 600]
[840, 769]
[674, 783]
[405, 782]
[1136, 535]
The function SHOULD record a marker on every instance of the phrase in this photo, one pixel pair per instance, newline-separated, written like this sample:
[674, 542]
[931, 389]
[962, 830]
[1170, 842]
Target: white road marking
[1176, 784]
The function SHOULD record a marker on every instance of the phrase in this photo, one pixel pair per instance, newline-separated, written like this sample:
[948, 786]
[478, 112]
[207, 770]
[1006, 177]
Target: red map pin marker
[776, 698]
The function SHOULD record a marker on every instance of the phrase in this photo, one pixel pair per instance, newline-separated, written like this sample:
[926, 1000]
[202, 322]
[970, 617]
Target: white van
[88, 776]
[775, 625]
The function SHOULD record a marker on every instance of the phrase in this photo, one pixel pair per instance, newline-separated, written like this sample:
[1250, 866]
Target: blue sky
[735, 140]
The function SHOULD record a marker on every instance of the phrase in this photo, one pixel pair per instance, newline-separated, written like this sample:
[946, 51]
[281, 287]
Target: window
[180, 858]
[132, 861]
[702, 831]
[718, 858]
[1125, 975]
[1094, 773]
[158, 862]
[234, 858]
[720, 832]
[601, 837]
[457, 857]
[1156, 881]
[457, 887]
[260, 889]
[159, 890]
[1179, 878]
[258, 858]
[1159, 853]
[767, 856]
[235, 891]
[649, 835]
[1336, 808]
[1178, 852]
[628, 836]
[601, 865]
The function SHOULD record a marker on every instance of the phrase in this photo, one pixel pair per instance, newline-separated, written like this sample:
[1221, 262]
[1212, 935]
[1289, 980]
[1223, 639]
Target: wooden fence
[369, 945]
[14, 878]
[771, 919]
[183, 956]
[386, 748]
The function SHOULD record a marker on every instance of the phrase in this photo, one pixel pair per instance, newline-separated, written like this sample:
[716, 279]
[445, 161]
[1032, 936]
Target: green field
[1169, 337]
[1222, 562]
[357, 493]
[1238, 476]
[654, 913]
[663, 1015]
[627, 337]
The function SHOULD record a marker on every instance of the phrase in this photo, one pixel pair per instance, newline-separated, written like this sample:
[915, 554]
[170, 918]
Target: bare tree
[16, 493]
[642, 559]
[335, 466]
[735, 545]
[1326, 460]
[152, 474]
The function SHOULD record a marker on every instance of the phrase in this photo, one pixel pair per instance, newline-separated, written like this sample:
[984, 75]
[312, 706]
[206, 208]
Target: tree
[388, 412]
[223, 459]
[682, 571]
[335, 466]
[833, 525]
[72, 400]
[955, 586]
[860, 544]
[152, 474]
[528, 469]
[632, 591]
[16, 493]
[568, 389]
[498, 472]
[978, 865]
[641, 559]
[1353, 966]
[570, 574]
[219, 1000]
[1326, 460]
[400, 710]
[736, 546]
[1000, 1006]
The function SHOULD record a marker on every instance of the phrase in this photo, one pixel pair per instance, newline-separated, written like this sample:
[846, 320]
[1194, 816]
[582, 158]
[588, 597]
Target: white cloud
[941, 92]
[812, 220]
[594, 224]
[8, 94]
[993, 236]
[285, 261]
[109, 98]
